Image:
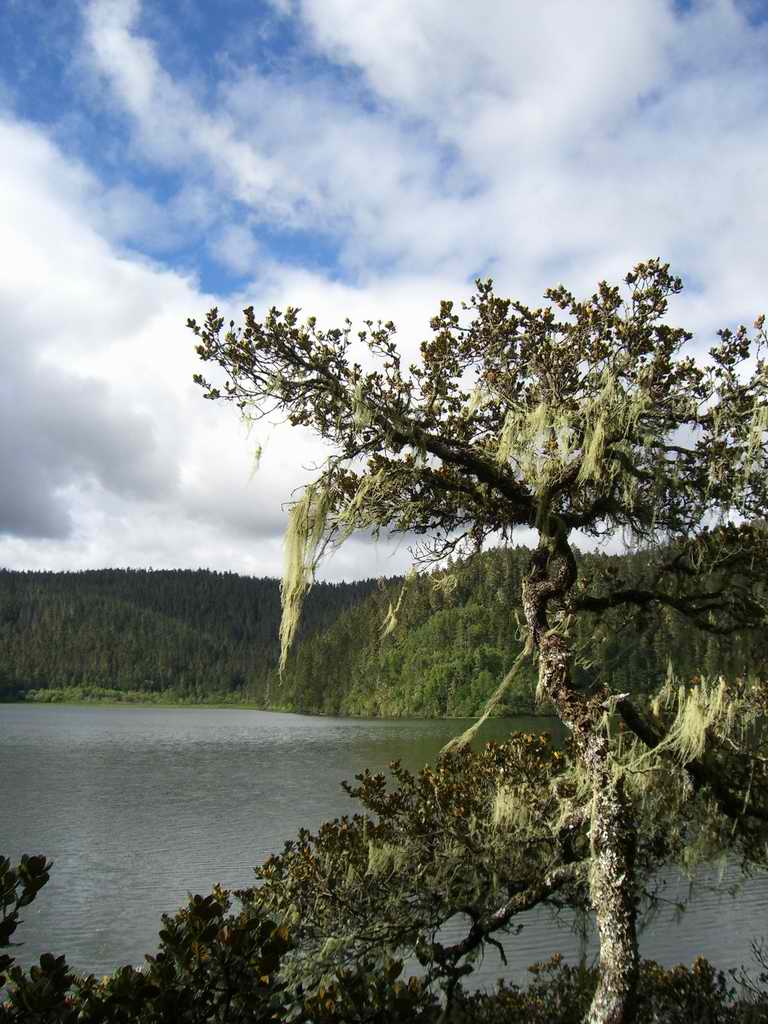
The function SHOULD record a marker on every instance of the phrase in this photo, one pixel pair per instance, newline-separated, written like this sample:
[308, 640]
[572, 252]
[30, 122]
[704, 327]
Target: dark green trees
[178, 634]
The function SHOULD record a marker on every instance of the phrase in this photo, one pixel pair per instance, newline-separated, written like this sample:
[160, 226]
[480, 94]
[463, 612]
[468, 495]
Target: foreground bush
[214, 965]
[561, 994]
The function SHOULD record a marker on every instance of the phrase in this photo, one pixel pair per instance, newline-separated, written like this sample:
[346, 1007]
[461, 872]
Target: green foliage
[383, 883]
[452, 645]
[707, 740]
[562, 994]
[197, 638]
[163, 636]
[212, 967]
[18, 888]
[323, 936]
[106, 695]
[479, 840]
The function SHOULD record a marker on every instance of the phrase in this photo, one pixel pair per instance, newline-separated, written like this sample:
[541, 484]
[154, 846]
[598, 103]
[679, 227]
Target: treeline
[205, 637]
[191, 636]
[456, 637]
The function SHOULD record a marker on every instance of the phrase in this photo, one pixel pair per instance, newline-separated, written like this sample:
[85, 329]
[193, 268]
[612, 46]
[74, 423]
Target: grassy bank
[89, 696]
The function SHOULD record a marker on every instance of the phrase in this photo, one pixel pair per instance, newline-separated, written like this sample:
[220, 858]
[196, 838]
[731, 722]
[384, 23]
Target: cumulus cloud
[172, 128]
[234, 246]
[56, 428]
[108, 454]
[541, 141]
[418, 145]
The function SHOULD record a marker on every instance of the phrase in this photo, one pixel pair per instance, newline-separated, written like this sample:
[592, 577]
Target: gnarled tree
[583, 416]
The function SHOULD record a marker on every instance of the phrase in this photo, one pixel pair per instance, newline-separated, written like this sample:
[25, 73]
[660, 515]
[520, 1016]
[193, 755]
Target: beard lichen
[386, 858]
[541, 441]
[697, 714]
[359, 512]
[459, 742]
[544, 441]
[756, 441]
[509, 810]
[361, 412]
[305, 541]
[313, 524]
[391, 618]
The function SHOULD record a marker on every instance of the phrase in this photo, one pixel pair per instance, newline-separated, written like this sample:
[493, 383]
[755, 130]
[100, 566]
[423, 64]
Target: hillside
[454, 643]
[198, 636]
[187, 635]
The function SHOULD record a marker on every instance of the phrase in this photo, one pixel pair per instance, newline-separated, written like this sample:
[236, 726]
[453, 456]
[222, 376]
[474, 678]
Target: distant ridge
[174, 634]
[457, 636]
[197, 636]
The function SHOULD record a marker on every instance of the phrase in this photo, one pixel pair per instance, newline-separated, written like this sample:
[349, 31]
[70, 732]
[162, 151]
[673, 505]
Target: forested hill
[456, 637]
[187, 635]
[207, 636]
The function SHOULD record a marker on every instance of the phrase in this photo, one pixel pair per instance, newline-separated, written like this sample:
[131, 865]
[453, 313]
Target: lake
[138, 806]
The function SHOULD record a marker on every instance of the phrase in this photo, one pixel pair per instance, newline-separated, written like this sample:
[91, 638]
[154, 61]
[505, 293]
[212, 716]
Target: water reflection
[140, 806]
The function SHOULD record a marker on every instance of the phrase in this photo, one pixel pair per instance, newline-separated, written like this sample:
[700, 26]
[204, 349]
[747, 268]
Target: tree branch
[693, 607]
[520, 901]
[732, 805]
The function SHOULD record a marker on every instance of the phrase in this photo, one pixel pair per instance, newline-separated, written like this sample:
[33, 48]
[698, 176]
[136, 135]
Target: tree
[583, 415]
[486, 835]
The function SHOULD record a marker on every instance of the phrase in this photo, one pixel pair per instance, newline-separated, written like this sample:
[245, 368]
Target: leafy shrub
[212, 966]
[561, 994]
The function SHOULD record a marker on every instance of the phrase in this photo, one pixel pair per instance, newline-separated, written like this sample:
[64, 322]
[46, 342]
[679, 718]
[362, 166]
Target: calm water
[140, 806]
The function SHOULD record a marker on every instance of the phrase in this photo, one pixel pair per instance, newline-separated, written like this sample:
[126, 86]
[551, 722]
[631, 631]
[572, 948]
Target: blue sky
[361, 160]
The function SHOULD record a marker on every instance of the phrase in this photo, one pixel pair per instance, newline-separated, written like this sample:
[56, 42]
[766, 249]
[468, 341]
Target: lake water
[138, 807]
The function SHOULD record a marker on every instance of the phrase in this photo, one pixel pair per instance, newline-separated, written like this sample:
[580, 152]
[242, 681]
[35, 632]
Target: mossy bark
[550, 579]
[612, 891]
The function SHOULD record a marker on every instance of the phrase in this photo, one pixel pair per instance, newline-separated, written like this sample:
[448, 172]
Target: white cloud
[558, 140]
[109, 454]
[172, 128]
[235, 247]
[533, 75]
[545, 142]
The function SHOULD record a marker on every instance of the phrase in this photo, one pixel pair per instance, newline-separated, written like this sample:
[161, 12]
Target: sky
[361, 160]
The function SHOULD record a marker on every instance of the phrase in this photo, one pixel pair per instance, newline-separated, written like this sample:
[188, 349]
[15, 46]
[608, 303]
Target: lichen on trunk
[613, 897]
[550, 579]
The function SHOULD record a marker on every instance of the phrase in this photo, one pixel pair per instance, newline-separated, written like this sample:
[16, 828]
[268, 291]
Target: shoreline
[256, 707]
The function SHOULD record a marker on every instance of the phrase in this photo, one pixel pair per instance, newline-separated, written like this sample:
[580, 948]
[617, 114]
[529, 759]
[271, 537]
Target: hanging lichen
[593, 461]
[446, 583]
[359, 513]
[756, 440]
[608, 423]
[543, 441]
[304, 543]
[540, 441]
[477, 400]
[709, 705]
[385, 858]
[459, 742]
[361, 411]
[391, 618]
[258, 451]
[509, 431]
[510, 809]
[250, 422]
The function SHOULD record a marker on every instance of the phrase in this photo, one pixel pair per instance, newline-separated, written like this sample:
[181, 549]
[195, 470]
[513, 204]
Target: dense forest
[200, 636]
[159, 635]
[456, 636]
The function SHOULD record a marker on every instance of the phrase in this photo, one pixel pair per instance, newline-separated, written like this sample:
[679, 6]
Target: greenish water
[139, 806]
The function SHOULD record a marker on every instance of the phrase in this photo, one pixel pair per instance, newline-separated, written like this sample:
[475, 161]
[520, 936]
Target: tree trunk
[550, 578]
[612, 889]
[612, 892]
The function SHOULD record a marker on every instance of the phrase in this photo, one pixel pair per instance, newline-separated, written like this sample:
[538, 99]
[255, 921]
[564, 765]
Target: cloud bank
[356, 160]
